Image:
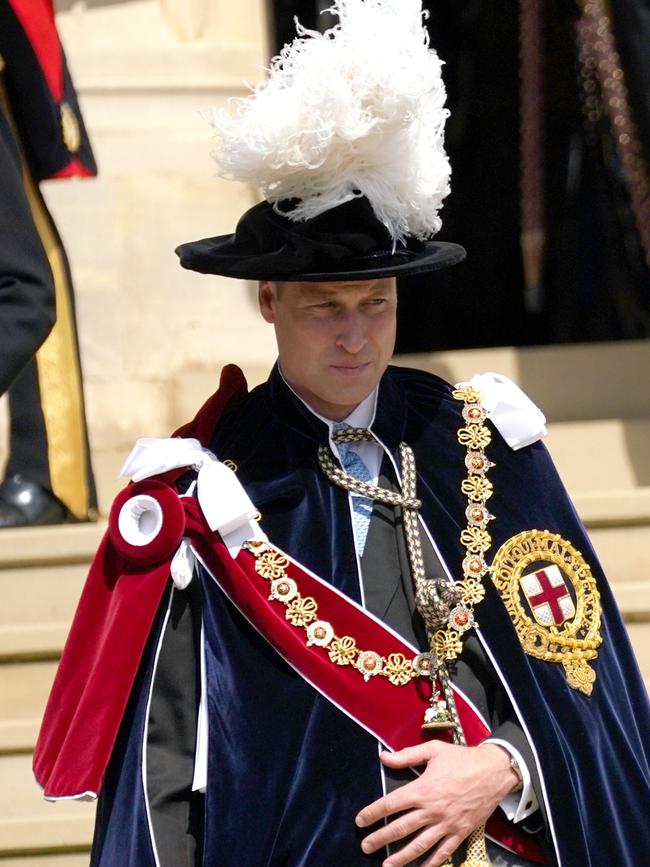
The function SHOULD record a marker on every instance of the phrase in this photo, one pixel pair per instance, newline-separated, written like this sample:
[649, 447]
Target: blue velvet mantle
[288, 771]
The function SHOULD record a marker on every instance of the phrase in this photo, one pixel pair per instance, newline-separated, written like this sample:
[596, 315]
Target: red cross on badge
[548, 596]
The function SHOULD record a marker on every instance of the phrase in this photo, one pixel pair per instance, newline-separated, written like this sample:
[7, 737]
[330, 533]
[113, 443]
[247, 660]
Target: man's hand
[456, 792]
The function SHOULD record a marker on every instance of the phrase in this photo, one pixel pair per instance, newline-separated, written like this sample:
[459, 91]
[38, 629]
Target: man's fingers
[444, 850]
[396, 830]
[410, 757]
[422, 844]
[401, 799]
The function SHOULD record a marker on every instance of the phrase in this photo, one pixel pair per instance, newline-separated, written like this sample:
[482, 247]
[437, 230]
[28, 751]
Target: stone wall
[148, 72]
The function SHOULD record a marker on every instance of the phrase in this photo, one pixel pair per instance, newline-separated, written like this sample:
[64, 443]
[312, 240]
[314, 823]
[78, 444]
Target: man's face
[334, 339]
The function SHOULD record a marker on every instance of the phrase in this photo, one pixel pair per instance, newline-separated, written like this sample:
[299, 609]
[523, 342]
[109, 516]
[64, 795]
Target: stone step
[640, 637]
[28, 824]
[63, 543]
[569, 382]
[599, 504]
[604, 455]
[25, 687]
[34, 622]
[624, 553]
[601, 456]
[609, 509]
[31, 825]
[38, 604]
[42, 571]
[69, 859]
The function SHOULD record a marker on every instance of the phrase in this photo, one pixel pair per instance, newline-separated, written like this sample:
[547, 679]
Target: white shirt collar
[362, 415]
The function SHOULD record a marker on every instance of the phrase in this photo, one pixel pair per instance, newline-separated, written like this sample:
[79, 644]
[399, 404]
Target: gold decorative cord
[339, 477]
[531, 150]
[447, 608]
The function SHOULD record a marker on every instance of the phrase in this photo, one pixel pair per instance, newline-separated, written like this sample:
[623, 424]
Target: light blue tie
[361, 506]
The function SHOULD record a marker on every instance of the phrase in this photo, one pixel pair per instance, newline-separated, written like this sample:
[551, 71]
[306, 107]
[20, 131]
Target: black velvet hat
[347, 242]
[345, 141]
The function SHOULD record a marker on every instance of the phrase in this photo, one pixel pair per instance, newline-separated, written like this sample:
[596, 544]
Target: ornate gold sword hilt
[475, 850]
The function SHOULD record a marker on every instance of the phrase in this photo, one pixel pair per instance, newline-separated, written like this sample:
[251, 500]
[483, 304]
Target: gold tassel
[476, 852]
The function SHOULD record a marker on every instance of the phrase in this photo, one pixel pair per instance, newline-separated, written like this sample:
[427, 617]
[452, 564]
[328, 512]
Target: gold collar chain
[447, 607]
[302, 611]
[475, 538]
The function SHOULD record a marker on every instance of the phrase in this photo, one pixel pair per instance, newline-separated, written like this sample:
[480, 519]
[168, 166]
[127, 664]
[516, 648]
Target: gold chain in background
[600, 59]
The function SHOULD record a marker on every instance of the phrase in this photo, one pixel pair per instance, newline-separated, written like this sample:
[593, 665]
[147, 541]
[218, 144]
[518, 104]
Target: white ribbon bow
[519, 421]
[151, 456]
[224, 502]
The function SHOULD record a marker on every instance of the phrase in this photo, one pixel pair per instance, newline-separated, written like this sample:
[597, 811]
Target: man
[335, 341]
[48, 477]
[26, 286]
[334, 588]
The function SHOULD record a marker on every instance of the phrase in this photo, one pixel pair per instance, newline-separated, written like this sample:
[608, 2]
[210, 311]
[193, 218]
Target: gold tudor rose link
[302, 612]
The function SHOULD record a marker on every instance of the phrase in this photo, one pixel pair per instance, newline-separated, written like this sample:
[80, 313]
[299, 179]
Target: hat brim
[210, 256]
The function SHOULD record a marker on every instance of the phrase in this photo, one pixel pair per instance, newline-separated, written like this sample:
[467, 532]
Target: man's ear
[267, 299]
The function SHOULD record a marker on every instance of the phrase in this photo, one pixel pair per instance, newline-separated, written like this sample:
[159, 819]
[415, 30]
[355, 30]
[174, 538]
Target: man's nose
[352, 334]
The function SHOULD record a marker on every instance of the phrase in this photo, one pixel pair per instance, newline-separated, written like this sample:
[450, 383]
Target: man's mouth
[351, 369]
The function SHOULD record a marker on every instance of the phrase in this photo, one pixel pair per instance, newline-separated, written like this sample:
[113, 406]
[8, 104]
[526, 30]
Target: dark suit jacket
[27, 309]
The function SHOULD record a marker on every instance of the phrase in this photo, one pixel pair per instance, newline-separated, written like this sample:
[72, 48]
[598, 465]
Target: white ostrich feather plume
[358, 110]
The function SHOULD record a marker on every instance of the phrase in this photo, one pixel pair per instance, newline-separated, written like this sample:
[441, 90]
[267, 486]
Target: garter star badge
[551, 596]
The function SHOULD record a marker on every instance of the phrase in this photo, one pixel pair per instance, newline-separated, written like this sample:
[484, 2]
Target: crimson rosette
[147, 522]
